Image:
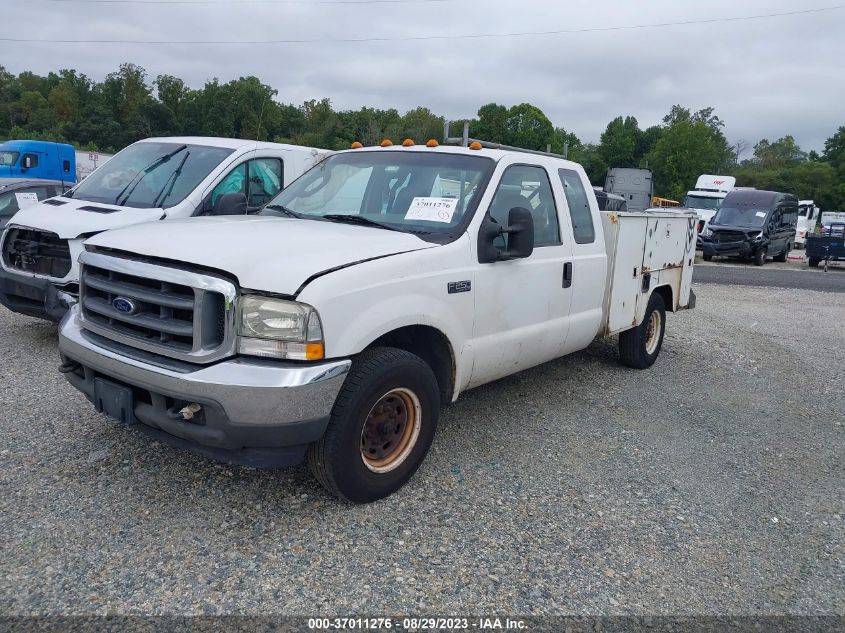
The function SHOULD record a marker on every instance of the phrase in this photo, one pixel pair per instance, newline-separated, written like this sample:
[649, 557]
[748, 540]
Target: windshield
[745, 216]
[150, 175]
[700, 202]
[7, 159]
[416, 192]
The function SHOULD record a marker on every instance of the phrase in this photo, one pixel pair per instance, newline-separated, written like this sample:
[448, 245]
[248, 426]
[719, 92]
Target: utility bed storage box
[646, 249]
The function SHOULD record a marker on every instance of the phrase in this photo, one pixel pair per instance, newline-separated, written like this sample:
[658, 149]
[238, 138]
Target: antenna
[260, 118]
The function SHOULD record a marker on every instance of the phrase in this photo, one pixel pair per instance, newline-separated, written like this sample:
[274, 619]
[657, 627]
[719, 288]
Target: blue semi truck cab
[38, 160]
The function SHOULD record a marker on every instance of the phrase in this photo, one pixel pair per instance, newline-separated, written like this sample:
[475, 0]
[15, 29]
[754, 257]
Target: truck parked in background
[707, 196]
[153, 179]
[635, 185]
[808, 218]
[46, 160]
[375, 289]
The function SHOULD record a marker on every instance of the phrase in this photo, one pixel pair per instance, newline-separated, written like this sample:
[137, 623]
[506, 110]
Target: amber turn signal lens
[314, 351]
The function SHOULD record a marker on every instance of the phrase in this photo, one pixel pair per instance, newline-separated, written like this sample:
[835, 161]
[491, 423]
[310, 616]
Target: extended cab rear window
[579, 206]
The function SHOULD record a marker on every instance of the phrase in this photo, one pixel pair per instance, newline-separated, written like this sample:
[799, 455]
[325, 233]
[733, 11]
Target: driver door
[522, 306]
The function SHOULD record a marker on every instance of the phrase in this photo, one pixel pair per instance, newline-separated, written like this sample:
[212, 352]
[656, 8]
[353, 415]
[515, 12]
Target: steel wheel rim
[391, 430]
[652, 333]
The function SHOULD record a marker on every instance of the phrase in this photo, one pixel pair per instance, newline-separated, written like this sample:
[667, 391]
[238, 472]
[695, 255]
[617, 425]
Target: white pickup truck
[153, 179]
[372, 291]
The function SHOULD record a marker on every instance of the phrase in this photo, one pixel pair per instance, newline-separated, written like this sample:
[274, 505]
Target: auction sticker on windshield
[760, 214]
[26, 199]
[432, 209]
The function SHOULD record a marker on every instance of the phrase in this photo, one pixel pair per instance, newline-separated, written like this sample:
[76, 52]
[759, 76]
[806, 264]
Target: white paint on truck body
[366, 282]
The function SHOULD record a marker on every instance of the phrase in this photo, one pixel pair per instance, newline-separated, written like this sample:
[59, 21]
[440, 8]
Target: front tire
[639, 347]
[814, 262]
[707, 257]
[381, 426]
[782, 257]
[760, 257]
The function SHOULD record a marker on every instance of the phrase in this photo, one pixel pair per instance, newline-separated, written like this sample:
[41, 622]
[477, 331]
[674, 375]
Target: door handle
[567, 274]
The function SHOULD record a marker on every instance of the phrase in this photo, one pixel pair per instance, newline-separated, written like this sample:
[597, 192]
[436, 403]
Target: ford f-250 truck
[153, 179]
[372, 291]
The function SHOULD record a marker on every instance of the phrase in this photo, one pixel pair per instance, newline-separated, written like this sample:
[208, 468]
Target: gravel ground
[710, 484]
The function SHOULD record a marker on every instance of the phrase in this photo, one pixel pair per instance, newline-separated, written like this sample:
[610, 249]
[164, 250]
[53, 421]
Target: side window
[528, 187]
[233, 182]
[265, 181]
[579, 206]
[259, 179]
[66, 166]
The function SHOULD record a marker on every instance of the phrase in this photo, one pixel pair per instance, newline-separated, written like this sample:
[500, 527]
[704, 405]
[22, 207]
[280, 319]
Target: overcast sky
[766, 77]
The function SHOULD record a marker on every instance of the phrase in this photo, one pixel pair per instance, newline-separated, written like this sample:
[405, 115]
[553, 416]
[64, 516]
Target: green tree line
[127, 105]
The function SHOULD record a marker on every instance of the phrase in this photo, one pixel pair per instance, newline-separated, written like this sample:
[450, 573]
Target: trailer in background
[635, 185]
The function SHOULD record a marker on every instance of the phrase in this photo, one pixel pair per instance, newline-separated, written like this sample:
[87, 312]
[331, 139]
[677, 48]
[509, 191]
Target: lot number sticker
[26, 199]
[432, 209]
[761, 214]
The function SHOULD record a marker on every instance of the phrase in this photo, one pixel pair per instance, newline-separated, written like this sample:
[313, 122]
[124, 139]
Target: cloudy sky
[765, 77]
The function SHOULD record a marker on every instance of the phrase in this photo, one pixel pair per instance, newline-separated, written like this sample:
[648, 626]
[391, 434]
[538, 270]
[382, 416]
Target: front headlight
[757, 237]
[706, 232]
[277, 328]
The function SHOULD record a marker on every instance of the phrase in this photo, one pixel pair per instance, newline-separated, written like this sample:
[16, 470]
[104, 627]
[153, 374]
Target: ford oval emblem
[124, 305]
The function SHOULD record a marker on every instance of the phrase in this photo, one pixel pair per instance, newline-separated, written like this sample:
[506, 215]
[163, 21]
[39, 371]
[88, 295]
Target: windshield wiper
[283, 210]
[140, 175]
[359, 219]
[170, 183]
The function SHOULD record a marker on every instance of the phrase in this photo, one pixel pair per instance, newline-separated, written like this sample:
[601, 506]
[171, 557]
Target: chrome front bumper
[250, 405]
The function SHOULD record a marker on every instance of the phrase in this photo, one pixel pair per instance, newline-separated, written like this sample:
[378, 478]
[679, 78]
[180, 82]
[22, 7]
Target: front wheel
[784, 255]
[707, 257]
[760, 257]
[381, 426]
[640, 346]
[814, 262]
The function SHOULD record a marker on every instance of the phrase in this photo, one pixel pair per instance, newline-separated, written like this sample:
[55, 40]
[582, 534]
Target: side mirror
[28, 162]
[520, 232]
[229, 204]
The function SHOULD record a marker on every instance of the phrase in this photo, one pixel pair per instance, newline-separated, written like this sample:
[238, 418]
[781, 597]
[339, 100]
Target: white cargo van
[808, 218]
[707, 196]
[371, 292]
[153, 179]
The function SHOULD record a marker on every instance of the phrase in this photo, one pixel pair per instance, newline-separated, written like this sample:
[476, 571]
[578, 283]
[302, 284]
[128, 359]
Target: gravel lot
[712, 483]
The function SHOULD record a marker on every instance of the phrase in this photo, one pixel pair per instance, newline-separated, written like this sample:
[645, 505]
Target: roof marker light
[386, 143]
[356, 145]
[407, 143]
[475, 145]
[432, 143]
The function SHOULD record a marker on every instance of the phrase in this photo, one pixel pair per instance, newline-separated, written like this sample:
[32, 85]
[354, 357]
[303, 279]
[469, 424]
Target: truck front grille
[723, 237]
[37, 252]
[169, 311]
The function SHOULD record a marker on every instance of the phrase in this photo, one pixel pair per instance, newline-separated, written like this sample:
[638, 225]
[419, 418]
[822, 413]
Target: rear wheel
[708, 257]
[814, 262]
[381, 426]
[760, 257]
[640, 346]
[784, 255]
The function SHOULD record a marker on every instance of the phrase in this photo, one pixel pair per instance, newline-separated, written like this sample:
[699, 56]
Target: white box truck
[154, 179]
[372, 291]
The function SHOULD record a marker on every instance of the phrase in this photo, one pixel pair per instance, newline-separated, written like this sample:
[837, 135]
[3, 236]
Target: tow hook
[185, 413]
[69, 366]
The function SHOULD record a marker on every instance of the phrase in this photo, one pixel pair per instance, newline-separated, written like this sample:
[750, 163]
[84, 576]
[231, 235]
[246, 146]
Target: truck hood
[80, 217]
[265, 253]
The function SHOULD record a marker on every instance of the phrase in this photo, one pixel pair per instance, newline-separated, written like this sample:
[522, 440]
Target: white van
[153, 179]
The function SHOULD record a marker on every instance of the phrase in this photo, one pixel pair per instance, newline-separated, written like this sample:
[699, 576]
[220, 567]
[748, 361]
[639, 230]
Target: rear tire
[782, 257]
[639, 347]
[760, 257]
[707, 257]
[814, 262]
[381, 426]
